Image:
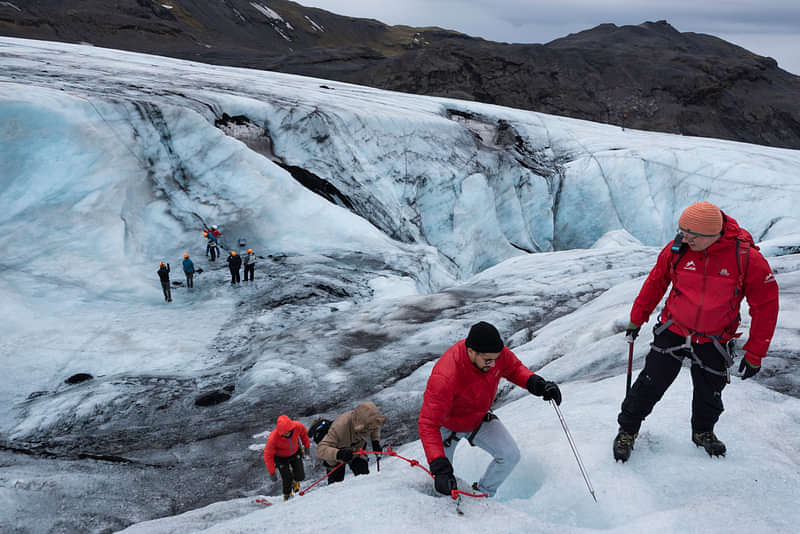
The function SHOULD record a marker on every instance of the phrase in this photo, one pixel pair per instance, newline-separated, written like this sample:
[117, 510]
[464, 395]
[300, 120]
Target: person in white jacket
[249, 264]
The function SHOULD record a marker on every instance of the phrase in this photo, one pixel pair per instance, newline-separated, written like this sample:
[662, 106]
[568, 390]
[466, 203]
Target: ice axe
[630, 366]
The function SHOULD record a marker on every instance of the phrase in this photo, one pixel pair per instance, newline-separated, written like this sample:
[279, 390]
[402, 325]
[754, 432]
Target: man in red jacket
[456, 405]
[283, 449]
[715, 267]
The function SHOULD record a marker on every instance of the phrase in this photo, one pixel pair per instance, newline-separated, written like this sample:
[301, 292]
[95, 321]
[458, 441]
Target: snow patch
[267, 12]
[9, 4]
[393, 286]
[616, 239]
[314, 25]
[286, 37]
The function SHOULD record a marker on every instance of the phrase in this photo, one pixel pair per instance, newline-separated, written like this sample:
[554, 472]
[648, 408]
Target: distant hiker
[217, 235]
[457, 403]
[188, 270]
[285, 448]
[712, 265]
[234, 264]
[249, 264]
[212, 247]
[163, 275]
[349, 433]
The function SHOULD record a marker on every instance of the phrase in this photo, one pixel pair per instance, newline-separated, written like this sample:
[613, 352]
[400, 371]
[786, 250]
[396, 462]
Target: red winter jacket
[706, 296]
[282, 447]
[459, 394]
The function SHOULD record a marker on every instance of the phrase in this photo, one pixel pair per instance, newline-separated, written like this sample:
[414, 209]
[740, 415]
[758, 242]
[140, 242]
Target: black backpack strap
[678, 255]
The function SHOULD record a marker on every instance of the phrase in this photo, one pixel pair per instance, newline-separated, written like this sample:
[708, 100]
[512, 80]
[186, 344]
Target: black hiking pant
[291, 469]
[661, 369]
[167, 292]
[249, 268]
[235, 276]
[189, 279]
[358, 466]
[213, 251]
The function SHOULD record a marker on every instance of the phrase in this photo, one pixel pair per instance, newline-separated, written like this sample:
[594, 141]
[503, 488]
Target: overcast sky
[766, 27]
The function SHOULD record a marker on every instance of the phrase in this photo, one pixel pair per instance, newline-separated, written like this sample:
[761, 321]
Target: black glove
[544, 388]
[443, 479]
[376, 445]
[631, 332]
[344, 455]
[748, 369]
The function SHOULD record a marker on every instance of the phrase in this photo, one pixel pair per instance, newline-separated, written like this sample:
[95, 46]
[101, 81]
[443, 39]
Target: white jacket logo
[690, 266]
[724, 272]
[770, 278]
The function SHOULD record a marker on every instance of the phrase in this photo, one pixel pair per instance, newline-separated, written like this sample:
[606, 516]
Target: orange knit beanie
[701, 218]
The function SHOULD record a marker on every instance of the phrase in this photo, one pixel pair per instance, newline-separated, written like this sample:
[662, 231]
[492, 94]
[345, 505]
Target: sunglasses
[689, 233]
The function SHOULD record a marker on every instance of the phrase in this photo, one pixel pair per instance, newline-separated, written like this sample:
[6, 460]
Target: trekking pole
[574, 449]
[630, 366]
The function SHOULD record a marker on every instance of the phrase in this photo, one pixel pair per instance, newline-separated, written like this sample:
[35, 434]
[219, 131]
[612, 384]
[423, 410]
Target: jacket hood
[284, 424]
[732, 230]
[367, 416]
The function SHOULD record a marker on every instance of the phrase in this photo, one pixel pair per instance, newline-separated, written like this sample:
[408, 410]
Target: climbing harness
[454, 436]
[726, 351]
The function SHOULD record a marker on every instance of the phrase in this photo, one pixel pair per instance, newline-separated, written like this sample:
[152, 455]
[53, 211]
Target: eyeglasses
[488, 361]
[689, 233]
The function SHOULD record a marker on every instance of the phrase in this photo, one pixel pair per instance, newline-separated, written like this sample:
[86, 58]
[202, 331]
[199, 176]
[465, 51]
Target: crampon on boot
[710, 442]
[623, 445]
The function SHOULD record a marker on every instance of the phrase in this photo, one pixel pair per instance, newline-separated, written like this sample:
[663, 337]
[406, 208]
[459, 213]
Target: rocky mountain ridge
[649, 76]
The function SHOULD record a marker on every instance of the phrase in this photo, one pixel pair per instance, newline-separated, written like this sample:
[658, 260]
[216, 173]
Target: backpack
[318, 429]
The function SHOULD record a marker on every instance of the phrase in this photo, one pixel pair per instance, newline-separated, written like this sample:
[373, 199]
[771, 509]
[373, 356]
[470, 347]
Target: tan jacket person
[350, 432]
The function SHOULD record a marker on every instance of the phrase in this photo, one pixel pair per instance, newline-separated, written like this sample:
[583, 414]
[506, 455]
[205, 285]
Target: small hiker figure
[188, 269]
[212, 247]
[249, 264]
[351, 432]
[163, 274]
[214, 231]
[285, 451]
[234, 264]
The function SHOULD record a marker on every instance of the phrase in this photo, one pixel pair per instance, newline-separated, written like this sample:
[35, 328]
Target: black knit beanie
[484, 337]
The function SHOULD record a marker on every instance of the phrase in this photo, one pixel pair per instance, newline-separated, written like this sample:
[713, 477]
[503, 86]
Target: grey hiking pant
[492, 437]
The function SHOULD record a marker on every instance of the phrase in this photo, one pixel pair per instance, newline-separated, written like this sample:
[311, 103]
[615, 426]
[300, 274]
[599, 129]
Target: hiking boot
[296, 487]
[286, 497]
[710, 442]
[623, 445]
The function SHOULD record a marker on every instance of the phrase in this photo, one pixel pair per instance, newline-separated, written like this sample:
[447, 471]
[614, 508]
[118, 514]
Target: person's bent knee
[511, 455]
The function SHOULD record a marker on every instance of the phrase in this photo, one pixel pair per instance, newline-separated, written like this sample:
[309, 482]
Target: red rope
[320, 480]
[412, 463]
